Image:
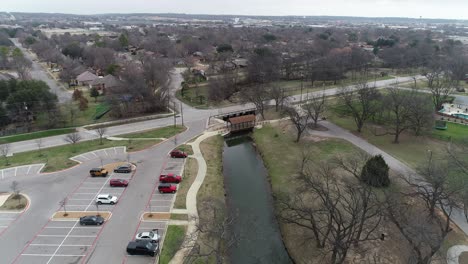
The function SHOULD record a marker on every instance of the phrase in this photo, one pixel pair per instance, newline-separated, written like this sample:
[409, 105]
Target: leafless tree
[63, 204]
[219, 238]
[338, 214]
[361, 102]
[315, 107]
[441, 86]
[15, 189]
[101, 131]
[39, 145]
[421, 114]
[258, 95]
[73, 138]
[398, 108]
[299, 120]
[4, 150]
[22, 66]
[278, 95]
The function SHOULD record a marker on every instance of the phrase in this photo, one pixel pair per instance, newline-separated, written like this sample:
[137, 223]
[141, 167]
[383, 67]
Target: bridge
[238, 120]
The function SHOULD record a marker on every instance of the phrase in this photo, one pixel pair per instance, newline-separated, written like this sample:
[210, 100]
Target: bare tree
[258, 95]
[299, 121]
[361, 102]
[39, 146]
[278, 95]
[4, 150]
[14, 187]
[315, 107]
[218, 236]
[421, 114]
[63, 204]
[339, 215]
[72, 138]
[101, 131]
[441, 86]
[398, 104]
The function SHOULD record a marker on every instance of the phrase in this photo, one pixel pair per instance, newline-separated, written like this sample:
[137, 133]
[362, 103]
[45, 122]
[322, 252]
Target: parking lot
[60, 241]
[161, 203]
[6, 219]
[66, 241]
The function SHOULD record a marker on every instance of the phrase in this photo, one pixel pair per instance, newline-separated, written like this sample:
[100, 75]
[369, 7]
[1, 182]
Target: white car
[106, 199]
[152, 236]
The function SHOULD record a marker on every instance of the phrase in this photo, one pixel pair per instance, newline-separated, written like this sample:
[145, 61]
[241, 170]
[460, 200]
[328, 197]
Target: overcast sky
[371, 8]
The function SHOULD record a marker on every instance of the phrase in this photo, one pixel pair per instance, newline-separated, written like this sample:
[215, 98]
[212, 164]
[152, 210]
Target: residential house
[86, 78]
[105, 83]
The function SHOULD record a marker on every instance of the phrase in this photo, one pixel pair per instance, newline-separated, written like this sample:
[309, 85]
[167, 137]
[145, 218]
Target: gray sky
[378, 8]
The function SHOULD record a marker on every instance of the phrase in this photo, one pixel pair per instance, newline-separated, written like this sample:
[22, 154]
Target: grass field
[190, 172]
[164, 132]
[455, 132]
[57, 158]
[172, 242]
[36, 135]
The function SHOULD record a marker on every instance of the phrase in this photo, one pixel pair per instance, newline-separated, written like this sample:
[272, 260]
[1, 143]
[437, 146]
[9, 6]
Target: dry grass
[77, 214]
[189, 175]
[156, 216]
[15, 203]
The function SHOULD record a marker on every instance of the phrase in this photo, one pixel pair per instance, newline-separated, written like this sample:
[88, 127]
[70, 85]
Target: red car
[167, 188]
[170, 178]
[178, 154]
[118, 183]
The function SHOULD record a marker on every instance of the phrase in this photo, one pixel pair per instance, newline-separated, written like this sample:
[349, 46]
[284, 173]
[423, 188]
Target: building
[86, 78]
[105, 83]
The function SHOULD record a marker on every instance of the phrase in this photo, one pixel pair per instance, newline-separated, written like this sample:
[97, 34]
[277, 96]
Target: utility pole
[175, 115]
[182, 113]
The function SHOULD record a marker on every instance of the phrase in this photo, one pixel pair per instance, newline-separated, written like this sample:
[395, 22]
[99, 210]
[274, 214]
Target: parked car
[106, 199]
[123, 169]
[152, 236]
[98, 172]
[167, 188]
[171, 178]
[142, 247]
[118, 183]
[91, 220]
[178, 154]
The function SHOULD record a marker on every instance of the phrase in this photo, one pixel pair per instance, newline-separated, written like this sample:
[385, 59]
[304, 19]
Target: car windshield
[109, 197]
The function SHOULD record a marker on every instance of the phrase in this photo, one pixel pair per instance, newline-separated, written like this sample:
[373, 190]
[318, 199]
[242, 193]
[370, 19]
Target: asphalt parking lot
[143, 227]
[66, 241]
[6, 219]
[60, 241]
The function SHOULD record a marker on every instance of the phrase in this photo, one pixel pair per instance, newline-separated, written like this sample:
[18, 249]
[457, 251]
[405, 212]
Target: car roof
[164, 184]
[117, 180]
[103, 195]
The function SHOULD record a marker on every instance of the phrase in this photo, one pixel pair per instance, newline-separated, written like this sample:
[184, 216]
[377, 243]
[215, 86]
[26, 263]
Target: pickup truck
[143, 247]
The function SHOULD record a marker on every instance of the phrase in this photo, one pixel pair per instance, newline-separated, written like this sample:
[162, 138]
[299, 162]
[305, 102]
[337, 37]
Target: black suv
[143, 247]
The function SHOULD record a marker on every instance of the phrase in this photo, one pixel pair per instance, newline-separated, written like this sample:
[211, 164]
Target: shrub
[375, 172]
[77, 94]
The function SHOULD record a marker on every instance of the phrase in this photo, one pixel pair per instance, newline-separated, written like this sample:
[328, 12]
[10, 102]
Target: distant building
[105, 83]
[86, 78]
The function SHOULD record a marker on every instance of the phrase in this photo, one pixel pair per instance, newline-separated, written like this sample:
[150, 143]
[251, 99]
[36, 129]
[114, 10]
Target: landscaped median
[75, 215]
[13, 202]
[58, 158]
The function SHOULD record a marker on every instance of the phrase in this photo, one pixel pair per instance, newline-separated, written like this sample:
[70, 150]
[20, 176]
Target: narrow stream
[250, 202]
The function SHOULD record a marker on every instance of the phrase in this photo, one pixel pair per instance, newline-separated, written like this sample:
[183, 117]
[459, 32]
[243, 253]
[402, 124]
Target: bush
[375, 172]
[77, 95]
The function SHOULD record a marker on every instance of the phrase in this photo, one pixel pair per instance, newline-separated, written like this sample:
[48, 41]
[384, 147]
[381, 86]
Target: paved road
[38, 73]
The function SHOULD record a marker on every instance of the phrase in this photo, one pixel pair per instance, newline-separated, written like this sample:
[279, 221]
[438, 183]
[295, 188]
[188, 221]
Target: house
[240, 63]
[107, 82]
[86, 78]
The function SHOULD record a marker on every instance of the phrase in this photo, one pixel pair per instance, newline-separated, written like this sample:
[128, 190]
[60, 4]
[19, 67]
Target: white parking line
[95, 154]
[62, 236]
[7, 219]
[29, 168]
[90, 188]
[98, 192]
[69, 232]
[78, 200]
[3, 226]
[57, 245]
[49, 255]
[16, 170]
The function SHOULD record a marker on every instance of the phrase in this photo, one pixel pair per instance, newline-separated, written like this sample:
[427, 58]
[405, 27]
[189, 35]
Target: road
[38, 73]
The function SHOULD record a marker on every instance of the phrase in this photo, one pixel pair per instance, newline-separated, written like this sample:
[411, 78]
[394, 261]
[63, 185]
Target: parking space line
[98, 192]
[69, 232]
[29, 168]
[7, 219]
[56, 245]
[77, 200]
[63, 236]
[49, 255]
[95, 154]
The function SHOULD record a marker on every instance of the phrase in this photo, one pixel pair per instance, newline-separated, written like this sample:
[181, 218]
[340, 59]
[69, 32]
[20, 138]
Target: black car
[91, 220]
[143, 247]
[123, 169]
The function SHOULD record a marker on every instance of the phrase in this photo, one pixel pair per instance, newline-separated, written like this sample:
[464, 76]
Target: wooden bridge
[238, 120]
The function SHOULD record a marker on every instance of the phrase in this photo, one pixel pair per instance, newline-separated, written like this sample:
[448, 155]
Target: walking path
[454, 253]
[191, 201]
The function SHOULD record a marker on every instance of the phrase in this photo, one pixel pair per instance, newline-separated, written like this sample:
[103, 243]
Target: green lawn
[165, 132]
[172, 242]
[57, 158]
[455, 132]
[273, 140]
[189, 175]
[36, 135]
